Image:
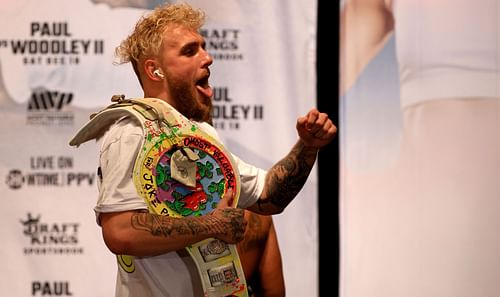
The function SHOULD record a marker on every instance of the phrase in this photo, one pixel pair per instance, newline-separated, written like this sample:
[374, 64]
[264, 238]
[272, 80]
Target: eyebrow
[192, 44]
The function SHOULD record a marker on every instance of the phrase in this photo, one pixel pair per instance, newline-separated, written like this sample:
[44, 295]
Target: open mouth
[203, 82]
[204, 87]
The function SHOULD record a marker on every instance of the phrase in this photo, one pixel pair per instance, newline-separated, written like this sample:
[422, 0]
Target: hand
[232, 219]
[315, 129]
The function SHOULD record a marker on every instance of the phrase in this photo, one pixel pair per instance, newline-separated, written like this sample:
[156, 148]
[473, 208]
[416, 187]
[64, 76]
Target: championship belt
[179, 171]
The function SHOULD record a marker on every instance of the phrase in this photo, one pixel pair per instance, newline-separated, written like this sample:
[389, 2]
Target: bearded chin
[207, 115]
[188, 106]
[202, 114]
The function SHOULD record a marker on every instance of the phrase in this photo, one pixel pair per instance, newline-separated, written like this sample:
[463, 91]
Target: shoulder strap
[141, 108]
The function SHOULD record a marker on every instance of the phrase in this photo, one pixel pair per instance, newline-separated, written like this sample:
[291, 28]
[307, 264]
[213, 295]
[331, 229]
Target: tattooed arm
[139, 233]
[287, 177]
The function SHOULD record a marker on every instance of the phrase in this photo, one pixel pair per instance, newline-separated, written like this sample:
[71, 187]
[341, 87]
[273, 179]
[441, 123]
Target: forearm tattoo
[158, 226]
[168, 226]
[287, 177]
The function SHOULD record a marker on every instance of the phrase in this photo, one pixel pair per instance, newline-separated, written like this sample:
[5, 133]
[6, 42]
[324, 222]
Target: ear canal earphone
[158, 73]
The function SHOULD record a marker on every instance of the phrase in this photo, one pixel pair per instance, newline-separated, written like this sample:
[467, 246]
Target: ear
[153, 70]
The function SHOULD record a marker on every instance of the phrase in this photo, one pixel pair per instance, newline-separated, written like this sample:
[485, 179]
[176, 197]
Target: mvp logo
[49, 100]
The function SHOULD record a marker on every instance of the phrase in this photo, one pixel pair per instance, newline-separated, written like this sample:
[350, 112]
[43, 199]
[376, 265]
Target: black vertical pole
[327, 68]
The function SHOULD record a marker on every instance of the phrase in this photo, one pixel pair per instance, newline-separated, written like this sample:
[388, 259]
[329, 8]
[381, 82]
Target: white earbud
[158, 73]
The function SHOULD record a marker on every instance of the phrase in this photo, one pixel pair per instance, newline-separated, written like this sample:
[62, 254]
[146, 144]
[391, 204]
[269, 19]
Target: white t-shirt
[170, 274]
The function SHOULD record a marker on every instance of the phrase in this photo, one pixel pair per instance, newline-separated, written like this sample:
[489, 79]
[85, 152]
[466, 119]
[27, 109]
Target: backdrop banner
[420, 148]
[56, 68]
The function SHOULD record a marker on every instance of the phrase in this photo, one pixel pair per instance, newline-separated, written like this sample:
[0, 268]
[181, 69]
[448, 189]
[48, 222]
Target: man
[260, 257]
[169, 57]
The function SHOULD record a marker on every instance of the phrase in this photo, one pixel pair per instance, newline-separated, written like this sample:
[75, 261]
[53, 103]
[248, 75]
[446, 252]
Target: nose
[207, 58]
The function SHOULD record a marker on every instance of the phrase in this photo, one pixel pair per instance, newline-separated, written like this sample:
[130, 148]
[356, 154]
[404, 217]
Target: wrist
[307, 146]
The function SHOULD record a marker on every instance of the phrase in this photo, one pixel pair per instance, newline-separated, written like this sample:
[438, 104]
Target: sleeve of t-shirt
[252, 182]
[119, 149]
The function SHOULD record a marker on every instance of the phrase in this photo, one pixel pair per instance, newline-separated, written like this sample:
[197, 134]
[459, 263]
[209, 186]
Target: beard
[188, 102]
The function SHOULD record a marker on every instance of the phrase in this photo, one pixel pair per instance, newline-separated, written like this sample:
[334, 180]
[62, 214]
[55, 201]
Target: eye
[190, 50]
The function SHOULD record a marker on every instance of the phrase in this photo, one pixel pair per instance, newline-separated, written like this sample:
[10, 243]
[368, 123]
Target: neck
[162, 95]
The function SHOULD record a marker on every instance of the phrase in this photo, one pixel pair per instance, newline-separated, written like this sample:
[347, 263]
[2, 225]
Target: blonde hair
[147, 37]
